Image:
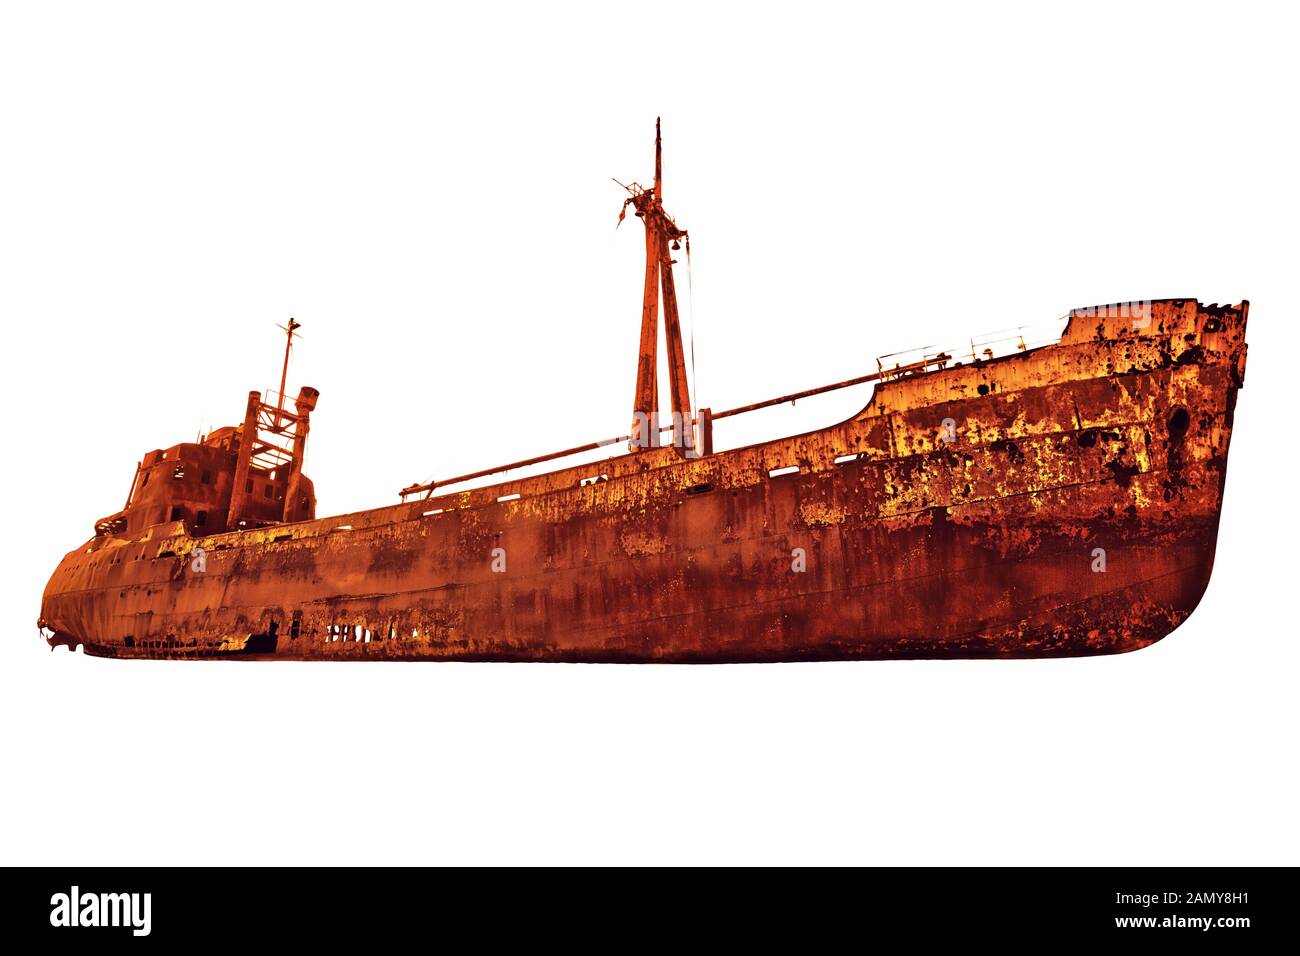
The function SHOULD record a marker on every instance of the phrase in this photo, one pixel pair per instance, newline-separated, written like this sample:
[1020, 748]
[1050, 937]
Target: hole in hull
[260, 644]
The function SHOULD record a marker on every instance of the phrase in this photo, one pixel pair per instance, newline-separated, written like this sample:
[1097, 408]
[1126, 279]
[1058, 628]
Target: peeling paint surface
[979, 544]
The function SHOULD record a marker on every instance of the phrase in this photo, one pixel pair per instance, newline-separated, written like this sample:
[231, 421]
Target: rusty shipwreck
[1006, 498]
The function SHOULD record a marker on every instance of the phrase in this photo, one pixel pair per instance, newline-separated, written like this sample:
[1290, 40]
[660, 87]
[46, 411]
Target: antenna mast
[289, 329]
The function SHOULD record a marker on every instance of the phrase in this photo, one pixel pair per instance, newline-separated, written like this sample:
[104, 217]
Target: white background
[427, 189]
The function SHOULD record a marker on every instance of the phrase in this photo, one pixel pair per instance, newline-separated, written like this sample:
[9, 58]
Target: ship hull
[1060, 502]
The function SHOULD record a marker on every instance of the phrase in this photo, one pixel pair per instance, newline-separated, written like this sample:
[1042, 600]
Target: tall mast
[645, 403]
[660, 231]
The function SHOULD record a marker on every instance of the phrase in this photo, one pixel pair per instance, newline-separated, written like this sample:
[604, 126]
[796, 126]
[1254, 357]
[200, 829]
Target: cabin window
[248, 486]
[178, 513]
[201, 518]
[266, 492]
[206, 478]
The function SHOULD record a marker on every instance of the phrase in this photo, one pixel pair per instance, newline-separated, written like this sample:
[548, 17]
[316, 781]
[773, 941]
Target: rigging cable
[690, 288]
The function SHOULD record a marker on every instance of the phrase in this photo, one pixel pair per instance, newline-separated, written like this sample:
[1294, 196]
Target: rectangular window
[201, 518]
[248, 487]
[266, 492]
[178, 513]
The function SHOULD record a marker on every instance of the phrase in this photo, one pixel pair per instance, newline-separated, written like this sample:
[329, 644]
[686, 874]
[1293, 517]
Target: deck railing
[994, 345]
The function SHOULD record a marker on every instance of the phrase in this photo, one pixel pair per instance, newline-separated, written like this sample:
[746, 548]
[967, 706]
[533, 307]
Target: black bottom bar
[1169, 907]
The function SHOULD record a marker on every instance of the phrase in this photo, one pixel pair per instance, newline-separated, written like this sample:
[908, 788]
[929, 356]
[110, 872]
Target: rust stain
[959, 514]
